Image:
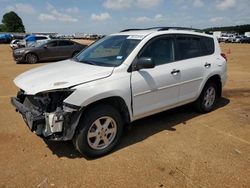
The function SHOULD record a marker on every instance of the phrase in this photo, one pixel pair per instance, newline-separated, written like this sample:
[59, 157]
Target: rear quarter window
[66, 43]
[207, 45]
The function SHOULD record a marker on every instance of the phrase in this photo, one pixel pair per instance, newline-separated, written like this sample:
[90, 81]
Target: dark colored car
[245, 40]
[48, 51]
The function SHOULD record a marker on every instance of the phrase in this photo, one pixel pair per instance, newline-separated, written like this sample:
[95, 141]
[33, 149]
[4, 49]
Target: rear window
[193, 46]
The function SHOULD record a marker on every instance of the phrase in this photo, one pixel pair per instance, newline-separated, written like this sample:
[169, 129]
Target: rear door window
[188, 47]
[65, 43]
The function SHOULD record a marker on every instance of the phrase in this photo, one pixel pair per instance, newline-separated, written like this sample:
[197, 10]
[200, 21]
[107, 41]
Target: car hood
[63, 74]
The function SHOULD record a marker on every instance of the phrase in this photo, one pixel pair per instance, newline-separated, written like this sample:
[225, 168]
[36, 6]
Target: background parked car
[236, 39]
[33, 40]
[225, 37]
[14, 44]
[5, 38]
[51, 50]
[245, 40]
[231, 38]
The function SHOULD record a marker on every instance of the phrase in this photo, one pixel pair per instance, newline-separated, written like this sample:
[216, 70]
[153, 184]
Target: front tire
[207, 99]
[31, 58]
[99, 131]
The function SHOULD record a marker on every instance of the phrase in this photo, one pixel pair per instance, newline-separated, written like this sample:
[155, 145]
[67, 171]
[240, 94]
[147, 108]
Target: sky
[110, 16]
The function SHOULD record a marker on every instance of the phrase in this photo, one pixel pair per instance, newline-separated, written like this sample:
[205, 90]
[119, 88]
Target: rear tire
[207, 99]
[99, 131]
[31, 58]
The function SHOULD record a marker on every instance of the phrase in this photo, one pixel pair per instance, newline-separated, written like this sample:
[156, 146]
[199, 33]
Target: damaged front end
[47, 115]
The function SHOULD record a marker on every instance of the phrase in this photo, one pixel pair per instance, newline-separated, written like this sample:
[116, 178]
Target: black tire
[31, 58]
[81, 140]
[201, 104]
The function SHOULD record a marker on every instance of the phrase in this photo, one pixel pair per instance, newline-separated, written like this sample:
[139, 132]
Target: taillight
[224, 56]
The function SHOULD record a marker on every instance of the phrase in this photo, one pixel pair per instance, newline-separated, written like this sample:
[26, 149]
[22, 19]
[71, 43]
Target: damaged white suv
[119, 79]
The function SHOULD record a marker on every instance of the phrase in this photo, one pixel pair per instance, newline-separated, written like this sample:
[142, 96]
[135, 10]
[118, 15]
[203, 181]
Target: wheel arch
[115, 101]
[217, 80]
[33, 54]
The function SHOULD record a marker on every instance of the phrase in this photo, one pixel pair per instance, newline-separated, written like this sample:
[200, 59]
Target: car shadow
[140, 129]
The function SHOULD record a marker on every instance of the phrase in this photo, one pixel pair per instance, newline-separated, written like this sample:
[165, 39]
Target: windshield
[110, 51]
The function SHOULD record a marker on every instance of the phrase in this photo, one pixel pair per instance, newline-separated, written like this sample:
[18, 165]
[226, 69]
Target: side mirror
[144, 63]
[45, 46]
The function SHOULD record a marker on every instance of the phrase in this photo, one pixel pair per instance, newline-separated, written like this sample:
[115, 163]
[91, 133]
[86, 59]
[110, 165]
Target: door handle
[207, 65]
[175, 71]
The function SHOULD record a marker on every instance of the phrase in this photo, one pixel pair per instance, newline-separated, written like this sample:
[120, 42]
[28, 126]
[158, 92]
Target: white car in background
[225, 37]
[117, 80]
[38, 39]
[14, 43]
[238, 38]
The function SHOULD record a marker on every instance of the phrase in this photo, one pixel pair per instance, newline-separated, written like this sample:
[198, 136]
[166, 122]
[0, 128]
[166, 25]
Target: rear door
[194, 62]
[66, 49]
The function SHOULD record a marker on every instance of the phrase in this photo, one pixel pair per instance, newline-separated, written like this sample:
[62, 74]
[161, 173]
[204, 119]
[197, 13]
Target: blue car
[5, 38]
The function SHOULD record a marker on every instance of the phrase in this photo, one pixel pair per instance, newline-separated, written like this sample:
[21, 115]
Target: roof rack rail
[165, 28]
[125, 30]
[180, 28]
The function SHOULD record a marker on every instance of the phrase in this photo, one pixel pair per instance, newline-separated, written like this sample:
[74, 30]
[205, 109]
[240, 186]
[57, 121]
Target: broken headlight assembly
[46, 114]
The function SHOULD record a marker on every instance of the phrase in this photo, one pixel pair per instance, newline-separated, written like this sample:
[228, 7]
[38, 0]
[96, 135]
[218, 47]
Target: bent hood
[63, 74]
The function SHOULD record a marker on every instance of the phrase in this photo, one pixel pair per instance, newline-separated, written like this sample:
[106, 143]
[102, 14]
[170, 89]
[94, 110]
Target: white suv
[119, 79]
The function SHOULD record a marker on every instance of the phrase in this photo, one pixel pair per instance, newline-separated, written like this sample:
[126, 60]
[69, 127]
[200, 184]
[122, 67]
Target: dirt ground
[177, 148]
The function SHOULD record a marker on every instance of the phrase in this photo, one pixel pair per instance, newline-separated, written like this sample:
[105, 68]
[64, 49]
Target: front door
[66, 49]
[156, 88]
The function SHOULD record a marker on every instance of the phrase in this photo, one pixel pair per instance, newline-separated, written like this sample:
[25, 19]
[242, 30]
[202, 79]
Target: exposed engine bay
[47, 115]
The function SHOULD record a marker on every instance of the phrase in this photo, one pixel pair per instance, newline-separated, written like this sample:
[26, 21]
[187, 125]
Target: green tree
[12, 23]
[3, 28]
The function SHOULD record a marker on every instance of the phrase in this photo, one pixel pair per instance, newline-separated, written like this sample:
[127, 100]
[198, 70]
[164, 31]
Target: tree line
[241, 29]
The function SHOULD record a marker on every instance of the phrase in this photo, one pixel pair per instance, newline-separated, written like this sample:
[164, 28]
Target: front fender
[89, 93]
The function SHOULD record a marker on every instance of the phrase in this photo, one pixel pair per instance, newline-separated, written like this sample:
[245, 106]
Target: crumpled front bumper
[30, 116]
[58, 125]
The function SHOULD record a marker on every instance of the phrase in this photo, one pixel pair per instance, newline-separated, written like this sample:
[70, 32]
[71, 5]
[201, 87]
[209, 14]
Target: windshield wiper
[87, 62]
[90, 62]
